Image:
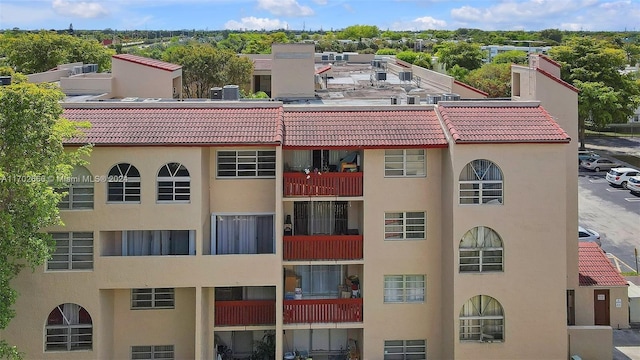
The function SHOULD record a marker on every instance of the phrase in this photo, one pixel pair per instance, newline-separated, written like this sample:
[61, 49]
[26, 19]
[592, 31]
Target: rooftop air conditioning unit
[215, 93]
[381, 75]
[413, 99]
[338, 57]
[433, 99]
[405, 75]
[231, 92]
[395, 100]
[77, 70]
[450, 97]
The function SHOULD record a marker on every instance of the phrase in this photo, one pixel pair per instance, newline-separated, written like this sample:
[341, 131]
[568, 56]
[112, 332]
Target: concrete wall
[619, 314]
[591, 342]
[292, 71]
[85, 84]
[136, 80]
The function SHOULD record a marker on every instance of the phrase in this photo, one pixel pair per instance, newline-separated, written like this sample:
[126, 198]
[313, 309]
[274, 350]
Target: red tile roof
[262, 64]
[362, 127]
[178, 126]
[559, 81]
[323, 69]
[595, 269]
[500, 122]
[148, 62]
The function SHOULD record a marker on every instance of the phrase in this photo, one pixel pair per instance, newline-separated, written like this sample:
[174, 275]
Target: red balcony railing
[322, 311]
[327, 184]
[245, 312]
[323, 247]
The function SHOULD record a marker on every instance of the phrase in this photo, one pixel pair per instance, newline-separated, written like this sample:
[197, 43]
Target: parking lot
[613, 212]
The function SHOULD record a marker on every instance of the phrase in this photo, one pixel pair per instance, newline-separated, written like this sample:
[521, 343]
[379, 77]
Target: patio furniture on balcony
[323, 184]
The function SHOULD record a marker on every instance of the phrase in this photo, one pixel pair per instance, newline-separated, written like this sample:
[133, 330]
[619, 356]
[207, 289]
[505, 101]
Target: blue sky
[528, 15]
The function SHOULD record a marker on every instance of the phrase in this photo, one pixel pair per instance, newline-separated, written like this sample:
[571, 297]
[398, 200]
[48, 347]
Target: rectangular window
[158, 242]
[405, 163]
[405, 349]
[243, 234]
[153, 352]
[153, 298]
[79, 196]
[404, 288]
[74, 251]
[408, 225]
[247, 163]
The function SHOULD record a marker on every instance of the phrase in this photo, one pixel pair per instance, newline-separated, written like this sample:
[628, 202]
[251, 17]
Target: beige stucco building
[371, 232]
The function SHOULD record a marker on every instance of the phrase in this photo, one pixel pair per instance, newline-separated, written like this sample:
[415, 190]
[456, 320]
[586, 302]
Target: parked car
[585, 154]
[620, 176]
[600, 163]
[588, 235]
[634, 185]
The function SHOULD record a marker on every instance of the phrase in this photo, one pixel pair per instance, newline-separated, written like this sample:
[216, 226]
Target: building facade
[197, 229]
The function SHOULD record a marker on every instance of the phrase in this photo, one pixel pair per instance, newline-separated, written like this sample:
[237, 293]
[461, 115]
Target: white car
[633, 185]
[588, 235]
[620, 176]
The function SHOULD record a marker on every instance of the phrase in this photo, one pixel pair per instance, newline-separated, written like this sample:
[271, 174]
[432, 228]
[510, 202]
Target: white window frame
[247, 164]
[410, 290]
[405, 349]
[76, 254]
[152, 352]
[131, 185]
[405, 225]
[79, 192]
[158, 298]
[484, 323]
[484, 254]
[405, 163]
[476, 185]
[176, 187]
[70, 332]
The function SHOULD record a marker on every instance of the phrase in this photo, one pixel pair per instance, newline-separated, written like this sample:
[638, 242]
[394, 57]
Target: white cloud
[254, 23]
[320, 2]
[289, 8]
[421, 23]
[24, 16]
[81, 9]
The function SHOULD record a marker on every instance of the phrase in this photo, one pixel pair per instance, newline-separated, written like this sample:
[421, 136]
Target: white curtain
[244, 234]
[320, 280]
[158, 242]
[70, 313]
[322, 218]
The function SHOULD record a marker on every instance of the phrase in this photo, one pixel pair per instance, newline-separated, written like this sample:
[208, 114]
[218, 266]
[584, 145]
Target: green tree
[357, 32]
[494, 79]
[408, 56]
[204, 67]
[511, 57]
[32, 162]
[38, 52]
[594, 67]
[465, 55]
[423, 60]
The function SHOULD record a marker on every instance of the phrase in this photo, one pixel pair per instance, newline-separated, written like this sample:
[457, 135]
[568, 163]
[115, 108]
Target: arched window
[174, 183]
[80, 191]
[481, 250]
[481, 183]
[482, 319]
[69, 328]
[124, 184]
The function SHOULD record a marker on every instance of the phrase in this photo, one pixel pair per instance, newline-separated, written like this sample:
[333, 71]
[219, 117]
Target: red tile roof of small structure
[178, 126]
[262, 64]
[595, 269]
[323, 69]
[500, 122]
[362, 127]
[148, 62]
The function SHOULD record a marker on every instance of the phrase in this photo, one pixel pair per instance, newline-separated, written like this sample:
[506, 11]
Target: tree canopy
[607, 95]
[32, 162]
[37, 52]
[465, 55]
[494, 79]
[204, 67]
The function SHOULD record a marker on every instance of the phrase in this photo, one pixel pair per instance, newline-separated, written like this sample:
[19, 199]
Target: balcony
[325, 184]
[323, 247]
[245, 312]
[306, 311]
